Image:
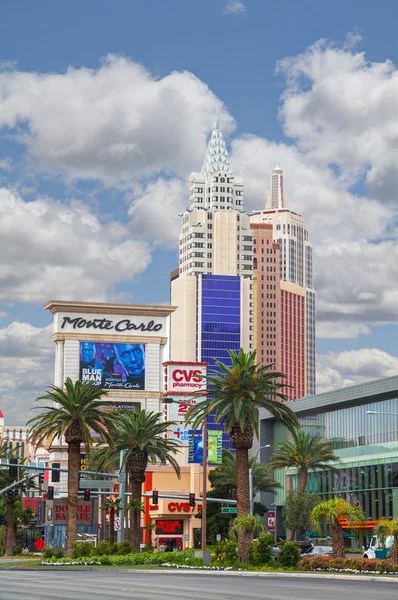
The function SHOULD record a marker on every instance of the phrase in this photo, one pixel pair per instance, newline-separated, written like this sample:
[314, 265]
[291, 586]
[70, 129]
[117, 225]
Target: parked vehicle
[375, 544]
[319, 551]
[305, 546]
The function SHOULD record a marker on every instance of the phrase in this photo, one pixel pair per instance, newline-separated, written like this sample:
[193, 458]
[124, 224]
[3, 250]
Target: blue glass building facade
[218, 323]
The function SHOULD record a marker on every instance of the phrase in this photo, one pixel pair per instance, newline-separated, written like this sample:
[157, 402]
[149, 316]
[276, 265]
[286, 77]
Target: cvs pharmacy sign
[185, 377]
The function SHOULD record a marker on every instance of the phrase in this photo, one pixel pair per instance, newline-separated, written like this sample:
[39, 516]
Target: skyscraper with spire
[213, 287]
[285, 330]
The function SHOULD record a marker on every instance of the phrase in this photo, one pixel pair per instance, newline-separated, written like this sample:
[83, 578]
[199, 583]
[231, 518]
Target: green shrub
[324, 563]
[289, 556]
[226, 552]
[59, 553]
[1, 550]
[81, 549]
[125, 547]
[260, 551]
[17, 550]
[103, 548]
[48, 552]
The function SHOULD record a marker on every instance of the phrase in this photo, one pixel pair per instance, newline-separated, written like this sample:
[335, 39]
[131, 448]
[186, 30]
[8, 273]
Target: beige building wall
[183, 320]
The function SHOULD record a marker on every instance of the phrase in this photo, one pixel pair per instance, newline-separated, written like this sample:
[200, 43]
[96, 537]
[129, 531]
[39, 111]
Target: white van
[374, 545]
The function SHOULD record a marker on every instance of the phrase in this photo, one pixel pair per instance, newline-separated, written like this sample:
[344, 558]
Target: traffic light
[41, 478]
[55, 475]
[50, 493]
[2, 519]
[155, 497]
[13, 471]
[191, 499]
[87, 495]
[30, 484]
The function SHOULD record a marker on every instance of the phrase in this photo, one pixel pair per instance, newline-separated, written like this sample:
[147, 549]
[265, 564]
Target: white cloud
[339, 369]
[117, 122]
[5, 164]
[26, 368]
[49, 249]
[154, 211]
[339, 330]
[234, 7]
[341, 109]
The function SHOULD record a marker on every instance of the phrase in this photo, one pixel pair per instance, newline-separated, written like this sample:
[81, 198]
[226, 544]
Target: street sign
[40, 544]
[218, 537]
[118, 524]
[231, 510]
[185, 537]
[96, 484]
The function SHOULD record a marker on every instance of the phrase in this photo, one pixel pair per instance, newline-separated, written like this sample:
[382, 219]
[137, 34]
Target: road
[110, 585]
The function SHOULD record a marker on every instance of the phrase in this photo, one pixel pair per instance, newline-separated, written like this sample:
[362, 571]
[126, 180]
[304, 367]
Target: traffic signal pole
[204, 486]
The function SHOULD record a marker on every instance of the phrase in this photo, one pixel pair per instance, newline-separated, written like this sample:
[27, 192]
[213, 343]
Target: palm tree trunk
[337, 541]
[303, 480]
[291, 535]
[243, 499]
[73, 488]
[136, 490]
[394, 551]
[103, 529]
[9, 532]
[112, 526]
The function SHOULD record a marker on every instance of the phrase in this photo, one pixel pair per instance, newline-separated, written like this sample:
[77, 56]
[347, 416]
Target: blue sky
[105, 110]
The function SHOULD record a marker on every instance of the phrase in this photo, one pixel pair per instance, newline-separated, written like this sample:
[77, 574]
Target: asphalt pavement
[109, 585]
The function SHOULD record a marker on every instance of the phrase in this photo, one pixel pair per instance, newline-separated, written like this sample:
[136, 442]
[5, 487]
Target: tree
[223, 478]
[235, 395]
[252, 526]
[77, 410]
[391, 528]
[304, 452]
[333, 511]
[141, 437]
[113, 505]
[150, 527]
[297, 510]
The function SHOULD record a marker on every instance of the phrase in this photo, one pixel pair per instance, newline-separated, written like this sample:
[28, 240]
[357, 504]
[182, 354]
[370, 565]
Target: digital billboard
[113, 366]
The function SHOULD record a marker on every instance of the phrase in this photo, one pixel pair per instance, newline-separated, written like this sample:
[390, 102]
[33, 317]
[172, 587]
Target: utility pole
[204, 485]
[251, 492]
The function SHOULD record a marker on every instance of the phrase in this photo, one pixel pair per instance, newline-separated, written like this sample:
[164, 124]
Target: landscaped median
[348, 565]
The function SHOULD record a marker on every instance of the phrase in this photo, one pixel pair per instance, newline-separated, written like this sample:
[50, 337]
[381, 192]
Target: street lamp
[204, 482]
[251, 480]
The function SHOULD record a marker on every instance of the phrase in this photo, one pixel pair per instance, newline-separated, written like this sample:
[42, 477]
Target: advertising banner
[214, 442]
[195, 446]
[185, 378]
[179, 433]
[113, 366]
[180, 406]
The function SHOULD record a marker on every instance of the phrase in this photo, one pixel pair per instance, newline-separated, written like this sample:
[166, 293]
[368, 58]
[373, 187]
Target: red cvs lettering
[183, 374]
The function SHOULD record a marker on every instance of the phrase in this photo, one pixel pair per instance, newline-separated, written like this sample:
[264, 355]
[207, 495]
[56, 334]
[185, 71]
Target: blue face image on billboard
[113, 366]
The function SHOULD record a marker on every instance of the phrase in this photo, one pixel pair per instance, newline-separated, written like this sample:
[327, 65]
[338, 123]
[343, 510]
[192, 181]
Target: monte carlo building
[213, 287]
[284, 294]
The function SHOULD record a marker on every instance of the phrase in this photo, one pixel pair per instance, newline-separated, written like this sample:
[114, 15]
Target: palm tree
[131, 507]
[150, 527]
[141, 437]
[389, 527]
[224, 476]
[234, 396]
[305, 452]
[333, 511]
[113, 505]
[76, 411]
[251, 526]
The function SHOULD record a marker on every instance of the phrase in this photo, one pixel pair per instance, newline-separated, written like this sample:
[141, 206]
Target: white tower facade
[216, 237]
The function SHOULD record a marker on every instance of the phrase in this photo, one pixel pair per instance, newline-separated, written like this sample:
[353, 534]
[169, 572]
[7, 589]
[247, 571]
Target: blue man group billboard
[113, 366]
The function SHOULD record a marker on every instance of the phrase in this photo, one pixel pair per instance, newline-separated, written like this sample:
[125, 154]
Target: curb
[379, 578]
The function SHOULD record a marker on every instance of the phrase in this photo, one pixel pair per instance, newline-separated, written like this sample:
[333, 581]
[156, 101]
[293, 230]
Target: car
[305, 546]
[319, 551]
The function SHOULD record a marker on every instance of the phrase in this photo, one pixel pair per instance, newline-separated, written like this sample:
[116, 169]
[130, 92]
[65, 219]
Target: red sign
[185, 377]
[169, 526]
[40, 544]
[83, 512]
[271, 520]
[183, 507]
